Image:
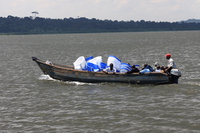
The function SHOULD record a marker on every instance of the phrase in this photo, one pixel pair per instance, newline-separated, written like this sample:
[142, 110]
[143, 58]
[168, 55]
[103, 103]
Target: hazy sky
[148, 10]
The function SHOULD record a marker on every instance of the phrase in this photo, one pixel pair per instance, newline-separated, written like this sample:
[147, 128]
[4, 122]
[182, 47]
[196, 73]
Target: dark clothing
[134, 70]
[169, 70]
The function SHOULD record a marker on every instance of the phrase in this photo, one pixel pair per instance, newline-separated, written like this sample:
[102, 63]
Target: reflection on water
[33, 102]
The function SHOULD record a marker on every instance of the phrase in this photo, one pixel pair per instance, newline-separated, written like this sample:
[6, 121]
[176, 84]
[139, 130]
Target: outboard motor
[175, 74]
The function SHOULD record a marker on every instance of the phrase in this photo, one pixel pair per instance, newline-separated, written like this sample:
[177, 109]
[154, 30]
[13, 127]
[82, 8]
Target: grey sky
[149, 10]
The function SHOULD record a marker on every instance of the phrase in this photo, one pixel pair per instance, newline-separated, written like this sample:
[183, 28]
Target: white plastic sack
[97, 61]
[79, 64]
[48, 62]
[115, 61]
[125, 67]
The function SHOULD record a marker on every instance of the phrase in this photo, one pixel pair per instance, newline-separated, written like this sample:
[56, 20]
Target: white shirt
[108, 70]
[171, 63]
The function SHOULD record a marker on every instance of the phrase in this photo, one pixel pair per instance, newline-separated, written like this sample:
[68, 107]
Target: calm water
[33, 102]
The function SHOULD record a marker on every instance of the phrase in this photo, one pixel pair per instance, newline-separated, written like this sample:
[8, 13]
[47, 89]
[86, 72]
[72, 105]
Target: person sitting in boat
[146, 69]
[133, 70]
[171, 64]
[158, 69]
[162, 69]
[155, 65]
[145, 65]
[110, 69]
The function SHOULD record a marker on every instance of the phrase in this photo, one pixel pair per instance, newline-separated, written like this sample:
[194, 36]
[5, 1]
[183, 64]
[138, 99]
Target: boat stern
[175, 75]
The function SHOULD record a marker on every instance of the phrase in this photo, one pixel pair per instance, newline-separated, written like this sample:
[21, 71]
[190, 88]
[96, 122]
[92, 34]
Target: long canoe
[68, 73]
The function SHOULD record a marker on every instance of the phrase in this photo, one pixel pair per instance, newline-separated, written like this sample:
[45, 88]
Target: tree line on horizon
[38, 25]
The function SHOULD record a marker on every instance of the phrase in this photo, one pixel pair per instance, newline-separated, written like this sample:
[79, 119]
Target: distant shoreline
[87, 32]
[26, 26]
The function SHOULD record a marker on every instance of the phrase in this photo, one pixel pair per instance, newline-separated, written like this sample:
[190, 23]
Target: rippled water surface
[33, 102]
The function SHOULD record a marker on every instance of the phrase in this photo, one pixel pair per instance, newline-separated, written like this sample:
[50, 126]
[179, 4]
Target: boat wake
[48, 78]
[193, 83]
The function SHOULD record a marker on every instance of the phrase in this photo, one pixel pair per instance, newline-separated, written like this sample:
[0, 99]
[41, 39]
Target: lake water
[33, 102]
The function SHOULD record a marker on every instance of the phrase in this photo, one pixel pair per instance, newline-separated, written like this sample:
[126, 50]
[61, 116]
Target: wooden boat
[68, 73]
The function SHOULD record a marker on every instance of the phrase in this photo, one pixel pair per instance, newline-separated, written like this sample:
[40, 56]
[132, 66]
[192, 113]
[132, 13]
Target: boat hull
[67, 73]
